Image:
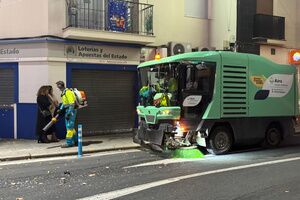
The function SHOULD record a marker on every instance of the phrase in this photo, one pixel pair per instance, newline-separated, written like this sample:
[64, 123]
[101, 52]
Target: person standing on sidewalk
[53, 107]
[43, 115]
[68, 104]
[54, 102]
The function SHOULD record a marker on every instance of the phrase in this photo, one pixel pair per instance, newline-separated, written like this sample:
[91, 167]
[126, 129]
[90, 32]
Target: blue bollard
[79, 140]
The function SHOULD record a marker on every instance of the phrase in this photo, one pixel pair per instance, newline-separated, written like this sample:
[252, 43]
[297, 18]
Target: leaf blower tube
[51, 123]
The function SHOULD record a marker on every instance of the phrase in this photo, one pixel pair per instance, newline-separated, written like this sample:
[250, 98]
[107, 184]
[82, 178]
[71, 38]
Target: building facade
[96, 45]
[92, 45]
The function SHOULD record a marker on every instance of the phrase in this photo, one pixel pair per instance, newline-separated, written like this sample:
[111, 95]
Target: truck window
[158, 79]
[201, 80]
[199, 83]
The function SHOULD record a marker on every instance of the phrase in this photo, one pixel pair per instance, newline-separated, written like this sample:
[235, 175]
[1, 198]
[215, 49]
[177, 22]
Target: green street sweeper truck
[215, 99]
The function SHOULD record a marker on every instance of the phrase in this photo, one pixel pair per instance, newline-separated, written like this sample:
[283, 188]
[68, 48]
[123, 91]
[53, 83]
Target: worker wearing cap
[68, 104]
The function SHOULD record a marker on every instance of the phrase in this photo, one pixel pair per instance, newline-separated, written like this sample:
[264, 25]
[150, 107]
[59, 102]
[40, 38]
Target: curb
[29, 156]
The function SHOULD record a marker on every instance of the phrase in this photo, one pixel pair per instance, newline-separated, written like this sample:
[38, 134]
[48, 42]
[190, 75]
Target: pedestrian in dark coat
[44, 115]
[53, 108]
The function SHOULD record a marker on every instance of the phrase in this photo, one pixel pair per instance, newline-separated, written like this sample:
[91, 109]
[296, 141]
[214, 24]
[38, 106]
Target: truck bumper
[201, 141]
[154, 136]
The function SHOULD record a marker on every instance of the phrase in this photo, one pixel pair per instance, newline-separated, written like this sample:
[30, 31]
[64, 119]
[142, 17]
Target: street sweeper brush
[187, 152]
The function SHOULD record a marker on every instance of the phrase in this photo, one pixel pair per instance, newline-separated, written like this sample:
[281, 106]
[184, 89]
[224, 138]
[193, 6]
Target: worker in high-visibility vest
[68, 104]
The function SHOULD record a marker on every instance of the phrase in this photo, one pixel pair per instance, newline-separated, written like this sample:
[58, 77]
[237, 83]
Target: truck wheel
[273, 137]
[220, 141]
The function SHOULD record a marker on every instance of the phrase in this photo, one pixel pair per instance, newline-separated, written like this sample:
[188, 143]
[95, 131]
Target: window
[199, 79]
[196, 8]
[198, 84]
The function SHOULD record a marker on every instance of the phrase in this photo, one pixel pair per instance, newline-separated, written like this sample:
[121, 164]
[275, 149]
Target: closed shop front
[111, 98]
[7, 100]
[105, 71]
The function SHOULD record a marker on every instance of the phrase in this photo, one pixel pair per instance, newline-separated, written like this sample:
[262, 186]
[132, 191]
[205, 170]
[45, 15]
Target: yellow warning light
[157, 56]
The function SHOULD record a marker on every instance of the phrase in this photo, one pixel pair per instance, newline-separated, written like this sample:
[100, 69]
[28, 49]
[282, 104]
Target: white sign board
[192, 100]
[279, 85]
[62, 52]
[19, 51]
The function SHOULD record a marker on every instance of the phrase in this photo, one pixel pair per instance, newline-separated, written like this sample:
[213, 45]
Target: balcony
[269, 29]
[110, 21]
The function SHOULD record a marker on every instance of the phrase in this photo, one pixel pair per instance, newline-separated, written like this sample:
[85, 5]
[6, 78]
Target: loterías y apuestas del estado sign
[102, 52]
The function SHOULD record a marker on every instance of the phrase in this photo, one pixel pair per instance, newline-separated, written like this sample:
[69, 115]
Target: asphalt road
[141, 174]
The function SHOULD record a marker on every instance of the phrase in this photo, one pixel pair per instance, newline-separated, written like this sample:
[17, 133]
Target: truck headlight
[165, 112]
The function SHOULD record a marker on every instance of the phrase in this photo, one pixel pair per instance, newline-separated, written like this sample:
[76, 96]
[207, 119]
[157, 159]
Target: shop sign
[103, 53]
[9, 51]
[18, 52]
[70, 53]
[294, 57]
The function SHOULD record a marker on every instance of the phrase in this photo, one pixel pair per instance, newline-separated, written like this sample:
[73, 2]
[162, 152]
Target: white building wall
[281, 53]
[298, 24]
[288, 9]
[56, 72]
[23, 18]
[223, 22]
[57, 17]
[28, 18]
[32, 75]
[171, 24]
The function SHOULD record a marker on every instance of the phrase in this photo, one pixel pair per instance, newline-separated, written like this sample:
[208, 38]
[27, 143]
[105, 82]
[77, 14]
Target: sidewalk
[27, 149]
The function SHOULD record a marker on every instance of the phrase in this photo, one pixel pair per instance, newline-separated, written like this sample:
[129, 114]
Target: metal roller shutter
[6, 87]
[111, 100]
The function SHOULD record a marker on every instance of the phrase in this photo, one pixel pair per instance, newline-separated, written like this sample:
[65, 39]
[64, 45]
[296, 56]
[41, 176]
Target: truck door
[196, 91]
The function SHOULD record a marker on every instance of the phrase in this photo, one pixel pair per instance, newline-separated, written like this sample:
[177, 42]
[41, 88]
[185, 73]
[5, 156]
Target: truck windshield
[172, 80]
[157, 77]
[158, 82]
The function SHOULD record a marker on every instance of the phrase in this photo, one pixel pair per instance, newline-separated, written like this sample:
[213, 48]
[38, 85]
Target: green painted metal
[153, 114]
[235, 91]
[195, 56]
[271, 106]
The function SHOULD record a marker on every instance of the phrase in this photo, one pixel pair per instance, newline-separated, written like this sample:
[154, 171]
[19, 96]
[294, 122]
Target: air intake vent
[234, 91]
